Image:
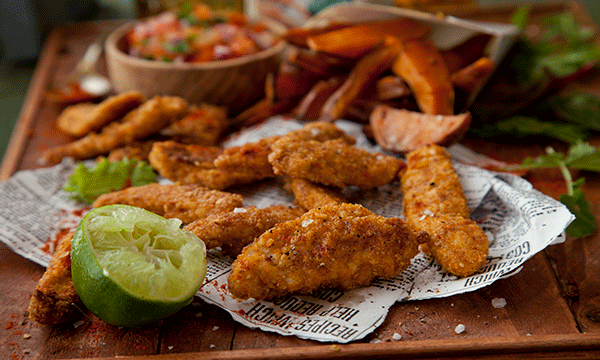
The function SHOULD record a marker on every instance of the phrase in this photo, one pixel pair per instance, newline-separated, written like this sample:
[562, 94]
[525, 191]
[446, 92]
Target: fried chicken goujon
[341, 246]
[333, 162]
[435, 204]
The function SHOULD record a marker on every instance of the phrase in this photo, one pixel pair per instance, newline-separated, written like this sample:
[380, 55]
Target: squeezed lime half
[132, 267]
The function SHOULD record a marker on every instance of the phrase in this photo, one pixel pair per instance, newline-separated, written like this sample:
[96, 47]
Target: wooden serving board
[553, 304]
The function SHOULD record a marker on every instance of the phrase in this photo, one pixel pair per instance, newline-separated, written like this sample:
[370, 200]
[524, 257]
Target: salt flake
[498, 303]
[306, 222]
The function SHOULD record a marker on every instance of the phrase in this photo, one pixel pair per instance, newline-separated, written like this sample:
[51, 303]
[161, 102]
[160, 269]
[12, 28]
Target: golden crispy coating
[342, 246]
[179, 162]
[193, 164]
[333, 162]
[310, 195]
[203, 126]
[320, 131]
[435, 204]
[252, 158]
[138, 124]
[184, 202]
[80, 119]
[457, 243]
[55, 299]
[138, 150]
[235, 229]
[429, 182]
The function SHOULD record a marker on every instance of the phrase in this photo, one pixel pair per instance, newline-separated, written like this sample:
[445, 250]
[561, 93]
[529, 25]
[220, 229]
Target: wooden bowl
[234, 83]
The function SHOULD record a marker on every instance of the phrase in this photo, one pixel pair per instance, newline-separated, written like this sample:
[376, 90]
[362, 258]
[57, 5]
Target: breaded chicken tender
[80, 119]
[310, 195]
[55, 299]
[434, 203]
[138, 124]
[204, 125]
[250, 159]
[333, 162]
[194, 164]
[430, 183]
[138, 150]
[179, 162]
[342, 246]
[233, 230]
[320, 131]
[184, 202]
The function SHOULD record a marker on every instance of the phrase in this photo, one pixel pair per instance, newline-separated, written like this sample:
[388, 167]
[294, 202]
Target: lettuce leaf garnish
[86, 184]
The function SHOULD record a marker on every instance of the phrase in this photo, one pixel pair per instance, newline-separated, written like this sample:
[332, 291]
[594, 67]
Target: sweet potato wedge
[392, 87]
[366, 71]
[311, 104]
[402, 131]
[471, 77]
[298, 36]
[423, 68]
[466, 53]
[356, 41]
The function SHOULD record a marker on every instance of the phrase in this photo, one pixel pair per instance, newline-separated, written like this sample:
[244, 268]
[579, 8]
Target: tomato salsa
[195, 33]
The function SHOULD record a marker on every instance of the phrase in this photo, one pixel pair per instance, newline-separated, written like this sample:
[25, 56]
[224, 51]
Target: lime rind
[131, 266]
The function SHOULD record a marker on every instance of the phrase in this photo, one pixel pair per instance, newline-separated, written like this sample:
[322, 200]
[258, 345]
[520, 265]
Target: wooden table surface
[552, 306]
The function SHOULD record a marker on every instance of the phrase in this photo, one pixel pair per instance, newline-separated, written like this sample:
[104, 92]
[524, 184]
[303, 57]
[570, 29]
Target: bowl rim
[112, 50]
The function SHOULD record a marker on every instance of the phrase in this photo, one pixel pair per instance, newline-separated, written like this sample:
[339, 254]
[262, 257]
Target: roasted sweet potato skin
[366, 71]
[402, 131]
[423, 68]
[355, 41]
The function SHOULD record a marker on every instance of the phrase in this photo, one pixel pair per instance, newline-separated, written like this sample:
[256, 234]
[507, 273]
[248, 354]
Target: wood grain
[553, 303]
[554, 347]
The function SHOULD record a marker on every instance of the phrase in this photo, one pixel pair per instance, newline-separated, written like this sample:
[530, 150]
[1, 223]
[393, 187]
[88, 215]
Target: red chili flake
[79, 212]
[54, 241]
[8, 325]
[18, 332]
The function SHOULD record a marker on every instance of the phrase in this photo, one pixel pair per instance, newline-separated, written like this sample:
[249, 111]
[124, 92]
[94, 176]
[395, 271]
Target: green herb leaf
[563, 48]
[521, 16]
[86, 184]
[581, 156]
[522, 126]
[180, 47]
[563, 26]
[585, 222]
[578, 108]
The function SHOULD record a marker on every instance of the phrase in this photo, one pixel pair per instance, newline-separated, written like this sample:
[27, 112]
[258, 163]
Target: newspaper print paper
[518, 220]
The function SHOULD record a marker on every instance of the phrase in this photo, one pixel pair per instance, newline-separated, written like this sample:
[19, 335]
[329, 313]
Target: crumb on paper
[335, 347]
[212, 346]
[375, 341]
[238, 210]
[170, 347]
[199, 315]
[498, 303]
[396, 336]
[26, 336]
[215, 328]
[460, 328]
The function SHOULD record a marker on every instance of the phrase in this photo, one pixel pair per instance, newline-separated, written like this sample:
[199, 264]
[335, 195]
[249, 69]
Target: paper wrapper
[518, 220]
